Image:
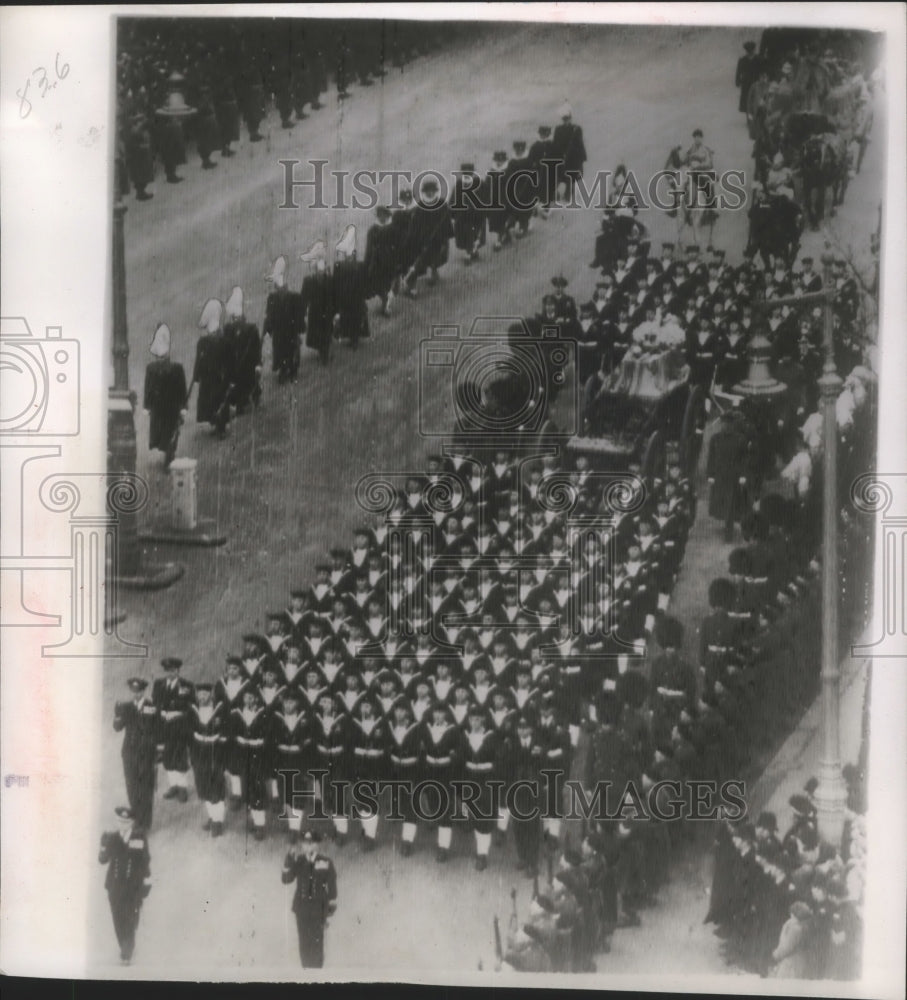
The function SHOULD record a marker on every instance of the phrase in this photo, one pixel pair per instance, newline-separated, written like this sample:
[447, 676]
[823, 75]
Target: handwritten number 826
[42, 81]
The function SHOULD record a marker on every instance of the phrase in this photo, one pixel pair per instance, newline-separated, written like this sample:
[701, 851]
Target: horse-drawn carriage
[817, 116]
[645, 410]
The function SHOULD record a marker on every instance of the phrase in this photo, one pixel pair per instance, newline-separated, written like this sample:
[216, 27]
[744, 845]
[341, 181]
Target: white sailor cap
[160, 342]
[212, 315]
[234, 306]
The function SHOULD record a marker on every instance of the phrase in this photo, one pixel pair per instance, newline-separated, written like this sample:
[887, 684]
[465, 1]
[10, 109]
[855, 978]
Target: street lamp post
[129, 569]
[831, 794]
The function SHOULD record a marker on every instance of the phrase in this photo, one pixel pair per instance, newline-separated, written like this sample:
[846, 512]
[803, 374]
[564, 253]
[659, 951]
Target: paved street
[281, 486]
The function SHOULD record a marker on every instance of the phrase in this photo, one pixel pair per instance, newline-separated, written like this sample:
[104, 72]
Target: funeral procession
[500, 390]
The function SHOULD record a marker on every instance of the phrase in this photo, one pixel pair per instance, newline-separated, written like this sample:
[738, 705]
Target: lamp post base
[152, 576]
[204, 533]
[114, 619]
[831, 802]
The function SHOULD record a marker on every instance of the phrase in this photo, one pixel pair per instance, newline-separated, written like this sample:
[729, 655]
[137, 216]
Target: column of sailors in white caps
[406, 242]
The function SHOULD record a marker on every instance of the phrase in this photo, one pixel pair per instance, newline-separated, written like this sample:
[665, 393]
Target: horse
[823, 164]
[695, 204]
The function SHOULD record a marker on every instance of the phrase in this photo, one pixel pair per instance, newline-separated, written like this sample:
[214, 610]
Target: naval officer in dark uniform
[139, 721]
[315, 898]
[128, 882]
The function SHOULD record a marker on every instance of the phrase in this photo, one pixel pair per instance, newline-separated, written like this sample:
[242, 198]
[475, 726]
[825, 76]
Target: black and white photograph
[454, 523]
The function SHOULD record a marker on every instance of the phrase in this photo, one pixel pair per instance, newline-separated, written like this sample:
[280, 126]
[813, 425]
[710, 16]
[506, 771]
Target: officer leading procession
[532, 622]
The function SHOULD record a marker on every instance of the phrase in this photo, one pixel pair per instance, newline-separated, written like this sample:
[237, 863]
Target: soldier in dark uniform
[290, 743]
[483, 751]
[564, 305]
[734, 364]
[673, 679]
[727, 469]
[141, 722]
[350, 291]
[748, 68]
[318, 305]
[523, 763]
[332, 750]
[401, 226]
[245, 353]
[492, 200]
[381, 265]
[847, 296]
[718, 633]
[607, 245]
[807, 280]
[165, 396]
[227, 110]
[315, 898]
[369, 734]
[430, 233]
[249, 730]
[554, 740]
[139, 160]
[207, 135]
[208, 722]
[229, 691]
[568, 149]
[704, 351]
[173, 698]
[172, 146]
[128, 881]
[541, 162]
[520, 190]
[442, 755]
[283, 321]
[467, 216]
[212, 371]
[405, 755]
[253, 100]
